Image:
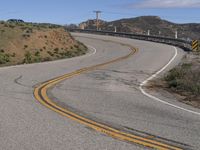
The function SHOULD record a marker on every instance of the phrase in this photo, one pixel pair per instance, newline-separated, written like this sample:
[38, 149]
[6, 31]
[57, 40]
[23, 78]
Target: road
[108, 94]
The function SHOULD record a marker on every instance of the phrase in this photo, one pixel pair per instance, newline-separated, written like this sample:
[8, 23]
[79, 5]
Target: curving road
[108, 94]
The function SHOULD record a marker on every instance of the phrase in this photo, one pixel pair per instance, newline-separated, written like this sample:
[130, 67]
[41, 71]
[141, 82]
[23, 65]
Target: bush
[76, 46]
[13, 55]
[26, 35]
[37, 59]
[4, 58]
[50, 53]
[27, 58]
[56, 50]
[25, 46]
[185, 78]
[68, 54]
[47, 59]
[37, 53]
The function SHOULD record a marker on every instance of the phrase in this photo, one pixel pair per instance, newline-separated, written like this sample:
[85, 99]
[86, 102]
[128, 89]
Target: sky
[76, 11]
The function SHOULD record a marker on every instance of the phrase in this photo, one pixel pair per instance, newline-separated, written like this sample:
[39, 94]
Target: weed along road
[96, 101]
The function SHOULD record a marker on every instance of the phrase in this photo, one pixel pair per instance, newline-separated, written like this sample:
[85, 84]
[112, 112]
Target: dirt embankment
[29, 43]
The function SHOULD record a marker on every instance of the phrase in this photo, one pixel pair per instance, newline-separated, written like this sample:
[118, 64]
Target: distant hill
[141, 25]
[22, 42]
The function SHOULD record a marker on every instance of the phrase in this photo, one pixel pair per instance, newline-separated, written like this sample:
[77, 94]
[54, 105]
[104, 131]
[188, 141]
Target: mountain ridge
[141, 25]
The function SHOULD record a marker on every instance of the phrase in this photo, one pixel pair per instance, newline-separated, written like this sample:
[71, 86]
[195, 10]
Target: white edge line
[93, 53]
[157, 99]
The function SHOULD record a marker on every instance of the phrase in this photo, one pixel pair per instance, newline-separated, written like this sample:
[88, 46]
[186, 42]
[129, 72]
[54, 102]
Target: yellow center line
[40, 94]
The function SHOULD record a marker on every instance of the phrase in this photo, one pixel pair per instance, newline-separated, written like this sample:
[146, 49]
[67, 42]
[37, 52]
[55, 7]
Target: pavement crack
[17, 81]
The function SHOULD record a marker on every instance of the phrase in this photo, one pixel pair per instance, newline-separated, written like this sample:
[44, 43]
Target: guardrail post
[185, 45]
[176, 34]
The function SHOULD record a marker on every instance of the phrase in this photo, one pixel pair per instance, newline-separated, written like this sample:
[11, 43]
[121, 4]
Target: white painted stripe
[94, 51]
[157, 99]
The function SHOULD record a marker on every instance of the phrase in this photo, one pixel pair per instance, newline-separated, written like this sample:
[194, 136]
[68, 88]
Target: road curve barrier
[196, 45]
[183, 44]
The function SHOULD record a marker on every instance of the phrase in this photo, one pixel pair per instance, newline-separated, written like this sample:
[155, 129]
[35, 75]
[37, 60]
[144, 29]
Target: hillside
[29, 42]
[156, 25]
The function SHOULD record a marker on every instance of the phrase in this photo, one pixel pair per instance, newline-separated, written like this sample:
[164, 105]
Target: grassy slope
[28, 43]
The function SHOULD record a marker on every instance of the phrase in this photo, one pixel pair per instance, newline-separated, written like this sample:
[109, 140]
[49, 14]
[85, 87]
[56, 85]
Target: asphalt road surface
[108, 94]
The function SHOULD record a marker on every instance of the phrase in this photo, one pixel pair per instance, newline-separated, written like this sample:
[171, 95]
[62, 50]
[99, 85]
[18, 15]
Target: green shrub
[25, 46]
[2, 51]
[25, 35]
[76, 46]
[56, 50]
[184, 78]
[37, 53]
[4, 58]
[37, 59]
[50, 53]
[27, 58]
[47, 59]
[13, 55]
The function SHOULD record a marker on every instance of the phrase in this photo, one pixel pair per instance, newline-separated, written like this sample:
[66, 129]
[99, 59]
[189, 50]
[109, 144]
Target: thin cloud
[166, 4]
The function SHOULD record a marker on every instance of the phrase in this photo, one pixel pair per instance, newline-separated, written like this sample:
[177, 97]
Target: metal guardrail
[185, 45]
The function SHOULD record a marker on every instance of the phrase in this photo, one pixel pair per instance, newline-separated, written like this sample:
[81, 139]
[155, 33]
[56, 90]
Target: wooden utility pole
[97, 18]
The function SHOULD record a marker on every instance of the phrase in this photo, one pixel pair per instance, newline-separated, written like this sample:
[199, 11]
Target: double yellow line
[40, 94]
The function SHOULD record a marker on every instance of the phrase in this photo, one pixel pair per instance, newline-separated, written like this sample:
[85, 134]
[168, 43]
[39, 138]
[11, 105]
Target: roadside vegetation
[4, 58]
[184, 80]
[22, 42]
